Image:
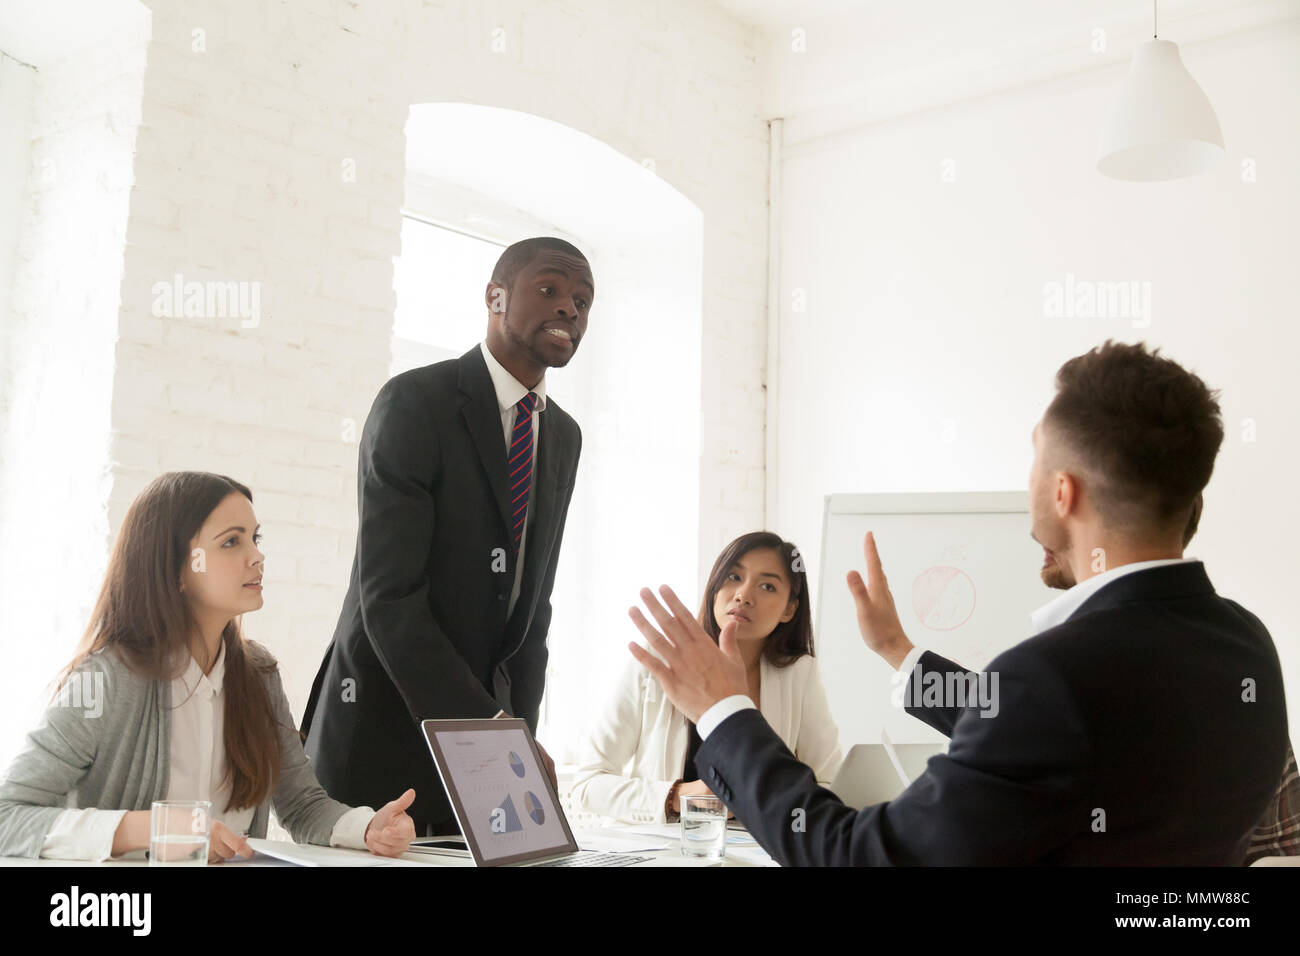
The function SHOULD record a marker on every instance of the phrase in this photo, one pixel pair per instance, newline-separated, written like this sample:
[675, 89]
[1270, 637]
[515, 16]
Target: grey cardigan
[111, 744]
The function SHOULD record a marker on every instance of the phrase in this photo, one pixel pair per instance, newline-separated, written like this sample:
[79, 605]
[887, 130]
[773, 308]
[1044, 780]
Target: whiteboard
[963, 571]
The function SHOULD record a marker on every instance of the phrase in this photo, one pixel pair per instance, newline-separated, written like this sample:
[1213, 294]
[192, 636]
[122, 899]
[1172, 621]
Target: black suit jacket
[1132, 707]
[423, 632]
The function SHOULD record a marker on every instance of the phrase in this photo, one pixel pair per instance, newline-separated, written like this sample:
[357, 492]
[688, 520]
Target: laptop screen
[502, 797]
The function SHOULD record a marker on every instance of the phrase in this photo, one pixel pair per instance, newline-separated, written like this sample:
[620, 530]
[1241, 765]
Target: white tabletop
[637, 839]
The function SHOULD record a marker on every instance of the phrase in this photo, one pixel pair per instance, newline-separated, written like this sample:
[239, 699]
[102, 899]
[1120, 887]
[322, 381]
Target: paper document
[306, 855]
[673, 831]
[617, 841]
[751, 854]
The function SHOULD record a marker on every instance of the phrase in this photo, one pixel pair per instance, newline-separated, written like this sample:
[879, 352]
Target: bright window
[440, 278]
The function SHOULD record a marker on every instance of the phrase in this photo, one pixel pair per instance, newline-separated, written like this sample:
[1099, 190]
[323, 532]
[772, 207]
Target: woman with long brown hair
[639, 759]
[166, 699]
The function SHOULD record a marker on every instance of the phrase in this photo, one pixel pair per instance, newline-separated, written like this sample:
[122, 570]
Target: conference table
[660, 842]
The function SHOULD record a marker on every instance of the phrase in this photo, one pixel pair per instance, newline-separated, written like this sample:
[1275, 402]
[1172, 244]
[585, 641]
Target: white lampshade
[1163, 126]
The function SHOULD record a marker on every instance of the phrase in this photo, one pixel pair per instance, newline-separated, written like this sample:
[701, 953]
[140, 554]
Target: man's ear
[1067, 493]
[1194, 519]
[495, 296]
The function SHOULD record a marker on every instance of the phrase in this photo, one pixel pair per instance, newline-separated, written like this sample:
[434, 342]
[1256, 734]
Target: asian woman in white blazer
[638, 761]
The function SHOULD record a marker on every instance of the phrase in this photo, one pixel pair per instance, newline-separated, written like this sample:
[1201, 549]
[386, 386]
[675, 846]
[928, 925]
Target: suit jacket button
[501, 597]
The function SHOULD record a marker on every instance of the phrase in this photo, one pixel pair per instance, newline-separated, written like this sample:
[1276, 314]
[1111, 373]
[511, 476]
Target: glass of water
[704, 826]
[179, 831]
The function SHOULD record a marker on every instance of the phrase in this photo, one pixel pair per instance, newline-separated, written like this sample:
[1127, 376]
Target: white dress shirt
[510, 392]
[196, 756]
[1049, 615]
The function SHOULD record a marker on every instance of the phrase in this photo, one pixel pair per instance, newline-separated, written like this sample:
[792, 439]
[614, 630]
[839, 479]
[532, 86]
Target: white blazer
[637, 748]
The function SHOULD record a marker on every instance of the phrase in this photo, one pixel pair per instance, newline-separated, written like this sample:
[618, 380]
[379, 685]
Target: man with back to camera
[1276, 833]
[1143, 723]
[465, 474]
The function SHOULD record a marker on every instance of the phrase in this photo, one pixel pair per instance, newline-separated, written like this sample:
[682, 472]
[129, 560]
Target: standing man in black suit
[1143, 723]
[464, 479]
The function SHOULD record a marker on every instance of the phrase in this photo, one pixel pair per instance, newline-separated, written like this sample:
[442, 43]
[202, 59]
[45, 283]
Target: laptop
[871, 775]
[503, 799]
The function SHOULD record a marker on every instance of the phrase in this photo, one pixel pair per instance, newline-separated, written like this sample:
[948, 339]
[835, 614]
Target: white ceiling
[869, 60]
[38, 32]
[913, 21]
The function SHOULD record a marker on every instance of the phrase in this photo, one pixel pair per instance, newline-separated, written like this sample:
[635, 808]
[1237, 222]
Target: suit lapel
[483, 420]
[545, 482]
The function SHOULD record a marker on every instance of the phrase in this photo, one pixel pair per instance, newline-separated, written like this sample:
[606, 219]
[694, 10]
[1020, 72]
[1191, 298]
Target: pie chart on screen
[534, 807]
[516, 764]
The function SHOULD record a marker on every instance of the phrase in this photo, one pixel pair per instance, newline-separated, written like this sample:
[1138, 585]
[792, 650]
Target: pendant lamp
[1163, 126]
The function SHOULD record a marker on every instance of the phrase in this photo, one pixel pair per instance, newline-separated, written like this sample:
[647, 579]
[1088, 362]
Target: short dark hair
[789, 640]
[521, 253]
[1145, 429]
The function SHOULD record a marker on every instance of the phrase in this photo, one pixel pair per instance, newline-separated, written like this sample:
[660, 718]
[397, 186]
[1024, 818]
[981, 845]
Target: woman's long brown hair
[142, 615]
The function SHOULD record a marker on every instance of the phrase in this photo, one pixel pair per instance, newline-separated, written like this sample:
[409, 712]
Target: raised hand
[877, 617]
[694, 672]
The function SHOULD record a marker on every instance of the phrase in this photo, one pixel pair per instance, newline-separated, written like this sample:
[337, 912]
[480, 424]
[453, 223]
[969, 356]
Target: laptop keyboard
[597, 859]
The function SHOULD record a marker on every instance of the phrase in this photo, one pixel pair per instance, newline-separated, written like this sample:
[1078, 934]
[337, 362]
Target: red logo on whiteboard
[943, 598]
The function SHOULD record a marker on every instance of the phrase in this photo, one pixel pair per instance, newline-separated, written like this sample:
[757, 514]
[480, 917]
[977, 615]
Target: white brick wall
[59, 330]
[238, 178]
[17, 81]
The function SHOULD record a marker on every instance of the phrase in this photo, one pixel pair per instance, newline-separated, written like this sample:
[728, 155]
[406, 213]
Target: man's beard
[1054, 577]
[528, 348]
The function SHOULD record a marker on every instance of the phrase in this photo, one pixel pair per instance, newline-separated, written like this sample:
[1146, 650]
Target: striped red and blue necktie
[519, 464]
